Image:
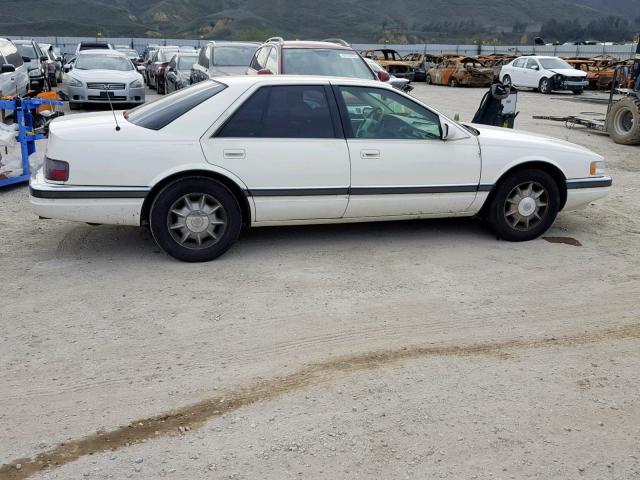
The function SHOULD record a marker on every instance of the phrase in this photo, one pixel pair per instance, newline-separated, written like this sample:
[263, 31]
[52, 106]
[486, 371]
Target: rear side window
[283, 112]
[161, 113]
[203, 60]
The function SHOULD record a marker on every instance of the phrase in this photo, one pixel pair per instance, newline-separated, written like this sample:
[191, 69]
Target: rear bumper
[108, 205]
[582, 191]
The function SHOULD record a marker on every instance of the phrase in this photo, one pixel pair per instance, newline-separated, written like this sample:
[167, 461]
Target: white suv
[547, 74]
[13, 72]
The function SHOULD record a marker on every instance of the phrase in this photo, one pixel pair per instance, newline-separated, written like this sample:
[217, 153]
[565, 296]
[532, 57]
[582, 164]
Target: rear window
[233, 56]
[186, 62]
[161, 113]
[27, 50]
[94, 46]
[326, 61]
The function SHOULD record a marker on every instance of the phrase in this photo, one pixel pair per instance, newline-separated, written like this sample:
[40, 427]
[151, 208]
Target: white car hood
[498, 136]
[568, 72]
[114, 76]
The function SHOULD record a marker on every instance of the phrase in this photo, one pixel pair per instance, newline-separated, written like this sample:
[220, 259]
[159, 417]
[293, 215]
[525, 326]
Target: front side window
[103, 62]
[383, 114]
[160, 113]
[282, 112]
[236, 56]
[324, 61]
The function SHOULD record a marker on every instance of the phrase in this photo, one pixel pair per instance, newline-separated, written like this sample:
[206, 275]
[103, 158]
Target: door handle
[369, 153]
[234, 154]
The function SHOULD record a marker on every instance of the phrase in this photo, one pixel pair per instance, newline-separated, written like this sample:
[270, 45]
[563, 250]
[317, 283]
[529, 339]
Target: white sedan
[199, 164]
[546, 74]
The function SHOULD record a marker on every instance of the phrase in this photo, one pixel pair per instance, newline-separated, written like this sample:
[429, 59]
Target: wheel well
[552, 170]
[243, 201]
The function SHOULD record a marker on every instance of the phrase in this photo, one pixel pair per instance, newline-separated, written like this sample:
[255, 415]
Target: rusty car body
[495, 62]
[391, 61]
[421, 63]
[461, 71]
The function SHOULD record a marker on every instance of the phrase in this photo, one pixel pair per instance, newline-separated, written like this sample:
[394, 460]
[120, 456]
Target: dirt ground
[393, 350]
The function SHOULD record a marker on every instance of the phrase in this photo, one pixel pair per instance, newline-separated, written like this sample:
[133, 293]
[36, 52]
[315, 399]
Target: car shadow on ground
[85, 242]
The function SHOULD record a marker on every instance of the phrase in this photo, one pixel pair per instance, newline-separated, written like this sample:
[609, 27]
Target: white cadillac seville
[199, 164]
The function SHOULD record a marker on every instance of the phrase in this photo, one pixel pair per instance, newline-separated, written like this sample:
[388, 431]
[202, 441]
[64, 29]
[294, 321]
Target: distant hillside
[356, 21]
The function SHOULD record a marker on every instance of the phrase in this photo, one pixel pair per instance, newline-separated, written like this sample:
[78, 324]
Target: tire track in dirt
[197, 414]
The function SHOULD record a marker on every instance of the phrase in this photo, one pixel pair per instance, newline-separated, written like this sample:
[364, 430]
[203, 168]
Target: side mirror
[44, 58]
[67, 68]
[140, 68]
[7, 68]
[26, 59]
[536, 67]
[383, 76]
[265, 71]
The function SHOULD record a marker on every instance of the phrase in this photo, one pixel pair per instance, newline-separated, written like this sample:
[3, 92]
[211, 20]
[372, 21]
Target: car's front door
[532, 73]
[287, 146]
[400, 165]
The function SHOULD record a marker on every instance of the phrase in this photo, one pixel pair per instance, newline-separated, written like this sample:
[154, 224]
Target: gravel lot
[394, 350]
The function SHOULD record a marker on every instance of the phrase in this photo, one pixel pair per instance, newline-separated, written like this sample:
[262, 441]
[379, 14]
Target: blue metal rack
[26, 137]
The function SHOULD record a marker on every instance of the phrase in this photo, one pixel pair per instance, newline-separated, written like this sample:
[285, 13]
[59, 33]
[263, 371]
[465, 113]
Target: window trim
[346, 119]
[336, 121]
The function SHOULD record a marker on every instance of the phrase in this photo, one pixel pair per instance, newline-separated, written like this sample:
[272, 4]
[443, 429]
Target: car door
[532, 73]
[286, 145]
[400, 165]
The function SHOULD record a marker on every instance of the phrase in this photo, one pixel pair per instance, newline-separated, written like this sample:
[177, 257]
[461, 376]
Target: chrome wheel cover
[197, 221]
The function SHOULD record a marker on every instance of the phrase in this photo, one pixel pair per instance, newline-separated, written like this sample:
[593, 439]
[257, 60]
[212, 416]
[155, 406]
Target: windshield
[375, 67]
[164, 111]
[26, 50]
[233, 56]
[130, 53]
[166, 55]
[329, 62]
[551, 63]
[186, 62]
[103, 62]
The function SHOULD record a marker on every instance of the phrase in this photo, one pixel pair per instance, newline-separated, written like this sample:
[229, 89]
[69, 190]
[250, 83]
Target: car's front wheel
[545, 86]
[195, 219]
[524, 205]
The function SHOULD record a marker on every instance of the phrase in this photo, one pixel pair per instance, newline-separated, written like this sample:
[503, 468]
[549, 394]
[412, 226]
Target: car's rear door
[399, 163]
[286, 144]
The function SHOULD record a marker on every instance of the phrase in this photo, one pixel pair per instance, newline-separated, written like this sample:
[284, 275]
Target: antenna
[115, 119]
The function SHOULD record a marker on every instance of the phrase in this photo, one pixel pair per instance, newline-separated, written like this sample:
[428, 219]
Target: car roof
[249, 80]
[230, 43]
[311, 44]
[102, 51]
[23, 42]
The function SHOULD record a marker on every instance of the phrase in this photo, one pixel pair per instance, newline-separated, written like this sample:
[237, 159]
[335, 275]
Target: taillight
[56, 170]
[383, 76]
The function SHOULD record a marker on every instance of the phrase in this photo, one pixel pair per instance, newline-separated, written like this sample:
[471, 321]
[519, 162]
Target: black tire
[506, 80]
[515, 227]
[453, 83]
[545, 86]
[623, 121]
[578, 92]
[74, 105]
[228, 211]
[160, 87]
[428, 80]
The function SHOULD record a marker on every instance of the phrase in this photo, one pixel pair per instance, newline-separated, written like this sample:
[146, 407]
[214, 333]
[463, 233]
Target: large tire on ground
[545, 86]
[623, 121]
[195, 219]
[524, 205]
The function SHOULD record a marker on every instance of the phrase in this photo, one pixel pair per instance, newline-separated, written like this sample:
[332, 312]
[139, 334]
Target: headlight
[136, 84]
[74, 82]
[35, 72]
[596, 168]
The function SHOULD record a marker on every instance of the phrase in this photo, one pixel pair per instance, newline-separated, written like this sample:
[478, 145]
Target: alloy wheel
[526, 206]
[197, 221]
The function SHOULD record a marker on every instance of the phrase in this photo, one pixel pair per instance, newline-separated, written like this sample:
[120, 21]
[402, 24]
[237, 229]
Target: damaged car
[461, 72]
[402, 84]
[545, 74]
[421, 63]
[391, 61]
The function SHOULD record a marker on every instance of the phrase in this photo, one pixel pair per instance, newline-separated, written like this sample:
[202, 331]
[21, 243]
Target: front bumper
[561, 84]
[89, 95]
[583, 191]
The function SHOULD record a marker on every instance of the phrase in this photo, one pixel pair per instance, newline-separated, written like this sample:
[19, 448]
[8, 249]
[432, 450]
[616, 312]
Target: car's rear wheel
[195, 219]
[545, 86]
[74, 105]
[506, 80]
[578, 92]
[524, 205]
